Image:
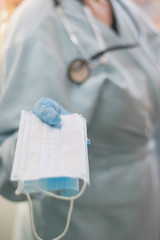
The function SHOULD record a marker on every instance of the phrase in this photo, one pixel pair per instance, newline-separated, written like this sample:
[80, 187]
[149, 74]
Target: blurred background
[8, 209]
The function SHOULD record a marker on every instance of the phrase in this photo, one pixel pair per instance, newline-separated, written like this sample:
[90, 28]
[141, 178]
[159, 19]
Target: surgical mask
[51, 159]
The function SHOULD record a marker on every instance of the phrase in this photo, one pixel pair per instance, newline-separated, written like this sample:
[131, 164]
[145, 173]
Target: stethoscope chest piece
[78, 71]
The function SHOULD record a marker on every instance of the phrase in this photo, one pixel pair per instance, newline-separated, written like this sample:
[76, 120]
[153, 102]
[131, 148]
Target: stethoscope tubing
[89, 62]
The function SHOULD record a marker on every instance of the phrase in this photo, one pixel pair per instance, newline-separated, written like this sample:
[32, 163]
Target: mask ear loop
[21, 190]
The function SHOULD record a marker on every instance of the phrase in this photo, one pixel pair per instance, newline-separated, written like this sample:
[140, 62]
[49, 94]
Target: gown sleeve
[152, 49]
[23, 82]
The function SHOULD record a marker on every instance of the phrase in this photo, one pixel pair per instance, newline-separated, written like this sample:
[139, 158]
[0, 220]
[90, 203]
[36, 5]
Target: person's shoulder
[143, 19]
[26, 20]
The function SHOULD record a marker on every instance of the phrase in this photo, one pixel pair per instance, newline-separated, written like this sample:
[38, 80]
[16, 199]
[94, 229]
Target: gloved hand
[49, 111]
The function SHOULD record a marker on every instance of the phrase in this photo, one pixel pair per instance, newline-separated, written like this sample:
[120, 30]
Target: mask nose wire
[21, 189]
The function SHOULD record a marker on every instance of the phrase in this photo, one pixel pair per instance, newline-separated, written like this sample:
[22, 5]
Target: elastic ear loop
[21, 190]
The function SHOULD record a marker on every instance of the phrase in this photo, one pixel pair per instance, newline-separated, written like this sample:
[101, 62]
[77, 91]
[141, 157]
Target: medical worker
[119, 95]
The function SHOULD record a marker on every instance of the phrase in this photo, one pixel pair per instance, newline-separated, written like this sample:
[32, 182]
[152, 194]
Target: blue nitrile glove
[49, 111]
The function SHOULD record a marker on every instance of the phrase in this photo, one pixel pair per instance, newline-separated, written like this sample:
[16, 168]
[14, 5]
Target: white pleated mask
[49, 159]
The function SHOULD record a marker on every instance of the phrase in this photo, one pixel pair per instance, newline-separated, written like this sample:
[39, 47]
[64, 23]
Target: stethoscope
[79, 69]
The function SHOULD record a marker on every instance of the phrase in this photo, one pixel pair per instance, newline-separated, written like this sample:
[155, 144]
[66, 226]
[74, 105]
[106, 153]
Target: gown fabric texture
[121, 102]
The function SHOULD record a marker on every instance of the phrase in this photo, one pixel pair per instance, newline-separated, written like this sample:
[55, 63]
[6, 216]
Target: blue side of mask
[67, 186]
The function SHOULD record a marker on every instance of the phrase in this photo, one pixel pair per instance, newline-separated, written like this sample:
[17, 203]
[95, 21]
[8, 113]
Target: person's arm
[152, 49]
[151, 32]
[24, 81]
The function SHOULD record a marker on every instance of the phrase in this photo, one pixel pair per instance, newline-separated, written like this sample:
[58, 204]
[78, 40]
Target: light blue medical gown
[121, 102]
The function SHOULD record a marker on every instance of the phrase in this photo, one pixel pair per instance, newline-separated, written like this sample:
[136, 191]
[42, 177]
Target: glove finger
[88, 142]
[46, 113]
[50, 102]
